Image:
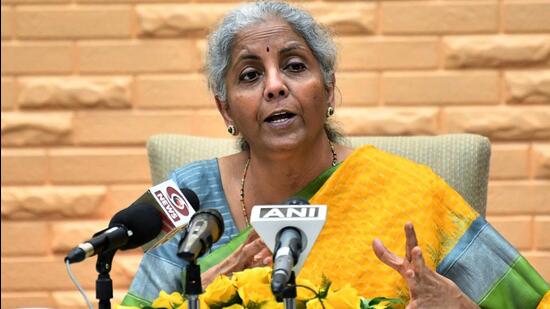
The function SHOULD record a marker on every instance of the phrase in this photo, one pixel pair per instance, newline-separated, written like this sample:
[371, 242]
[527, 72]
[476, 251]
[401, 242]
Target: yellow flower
[252, 275]
[167, 301]
[381, 305]
[256, 292]
[202, 304]
[219, 291]
[234, 306]
[273, 304]
[117, 306]
[304, 289]
[316, 304]
[346, 297]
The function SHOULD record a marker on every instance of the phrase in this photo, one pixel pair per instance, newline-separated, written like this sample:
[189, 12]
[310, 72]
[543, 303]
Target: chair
[461, 159]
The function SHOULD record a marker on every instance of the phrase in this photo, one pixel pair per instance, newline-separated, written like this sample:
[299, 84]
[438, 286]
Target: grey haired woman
[271, 69]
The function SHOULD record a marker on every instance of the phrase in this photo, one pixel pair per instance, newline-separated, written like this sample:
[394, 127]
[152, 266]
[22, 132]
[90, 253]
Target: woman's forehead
[272, 34]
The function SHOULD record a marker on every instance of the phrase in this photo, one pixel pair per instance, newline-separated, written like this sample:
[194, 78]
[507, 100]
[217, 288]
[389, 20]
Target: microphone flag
[175, 209]
[268, 220]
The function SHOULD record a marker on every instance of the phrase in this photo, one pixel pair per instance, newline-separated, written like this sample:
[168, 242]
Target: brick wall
[85, 82]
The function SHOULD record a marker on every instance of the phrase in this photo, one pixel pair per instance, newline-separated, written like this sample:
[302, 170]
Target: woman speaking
[271, 69]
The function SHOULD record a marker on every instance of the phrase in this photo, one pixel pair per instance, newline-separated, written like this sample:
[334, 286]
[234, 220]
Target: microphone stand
[193, 285]
[104, 284]
[289, 293]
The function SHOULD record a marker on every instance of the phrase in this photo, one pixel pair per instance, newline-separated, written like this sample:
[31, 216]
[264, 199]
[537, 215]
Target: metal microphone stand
[193, 285]
[104, 284]
[289, 293]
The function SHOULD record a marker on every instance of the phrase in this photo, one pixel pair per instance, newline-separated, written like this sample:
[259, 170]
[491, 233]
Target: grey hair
[221, 40]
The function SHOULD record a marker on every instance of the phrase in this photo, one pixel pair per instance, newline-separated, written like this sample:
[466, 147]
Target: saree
[372, 194]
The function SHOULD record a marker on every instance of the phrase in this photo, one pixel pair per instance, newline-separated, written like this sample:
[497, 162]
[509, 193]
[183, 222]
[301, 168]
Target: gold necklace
[247, 164]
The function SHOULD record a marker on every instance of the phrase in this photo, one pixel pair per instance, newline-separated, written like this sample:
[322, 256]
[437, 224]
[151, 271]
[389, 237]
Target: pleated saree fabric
[373, 194]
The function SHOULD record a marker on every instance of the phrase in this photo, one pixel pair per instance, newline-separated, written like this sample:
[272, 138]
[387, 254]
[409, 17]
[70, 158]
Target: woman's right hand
[253, 253]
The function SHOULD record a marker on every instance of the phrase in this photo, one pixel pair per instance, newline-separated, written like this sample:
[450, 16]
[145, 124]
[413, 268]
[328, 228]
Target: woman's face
[276, 96]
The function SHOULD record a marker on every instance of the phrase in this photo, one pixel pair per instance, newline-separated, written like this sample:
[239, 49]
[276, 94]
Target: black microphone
[288, 247]
[204, 229]
[128, 229]
[141, 222]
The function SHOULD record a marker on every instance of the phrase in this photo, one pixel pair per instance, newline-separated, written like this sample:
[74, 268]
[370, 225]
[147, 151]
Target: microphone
[128, 229]
[153, 218]
[176, 207]
[289, 246]
[204, 229]
[289, 231]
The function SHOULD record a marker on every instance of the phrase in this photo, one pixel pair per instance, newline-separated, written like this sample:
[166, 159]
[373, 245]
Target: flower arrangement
[251, 289]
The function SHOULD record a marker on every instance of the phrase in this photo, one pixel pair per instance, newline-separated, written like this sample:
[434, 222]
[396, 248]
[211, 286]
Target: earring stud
[330, 111]
[231, 129]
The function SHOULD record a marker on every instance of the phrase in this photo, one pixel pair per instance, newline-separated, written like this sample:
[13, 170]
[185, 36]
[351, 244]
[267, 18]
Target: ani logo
[178, 200]
[289, 212]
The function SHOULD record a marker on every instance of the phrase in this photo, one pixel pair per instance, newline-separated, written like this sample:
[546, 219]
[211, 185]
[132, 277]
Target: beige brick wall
[85, 82]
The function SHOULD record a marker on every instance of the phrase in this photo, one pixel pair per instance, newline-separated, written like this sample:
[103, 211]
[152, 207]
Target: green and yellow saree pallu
[372, 194]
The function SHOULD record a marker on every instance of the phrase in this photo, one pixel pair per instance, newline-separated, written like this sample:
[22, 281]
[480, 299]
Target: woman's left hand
[253, 253]
[427, 288]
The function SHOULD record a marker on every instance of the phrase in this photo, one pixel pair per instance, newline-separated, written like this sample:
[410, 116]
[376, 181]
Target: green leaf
[367, 303]
[255, 305]
[301, 304]
[325, 286]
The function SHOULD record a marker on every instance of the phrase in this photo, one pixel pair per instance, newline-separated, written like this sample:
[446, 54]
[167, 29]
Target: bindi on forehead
[267, 49]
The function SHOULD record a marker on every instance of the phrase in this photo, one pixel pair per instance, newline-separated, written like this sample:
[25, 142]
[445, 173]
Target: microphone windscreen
[191, 197]
[142, 219]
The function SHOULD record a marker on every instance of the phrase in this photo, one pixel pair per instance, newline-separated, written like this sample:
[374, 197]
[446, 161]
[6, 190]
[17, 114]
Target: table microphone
[204, 229]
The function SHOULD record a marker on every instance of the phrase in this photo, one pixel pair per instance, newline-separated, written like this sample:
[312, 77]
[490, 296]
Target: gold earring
[231, 129]
[330, 111]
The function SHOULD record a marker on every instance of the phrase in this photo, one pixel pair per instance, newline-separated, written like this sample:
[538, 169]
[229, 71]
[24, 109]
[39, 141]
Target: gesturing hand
[427, 288]
[253, 253]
